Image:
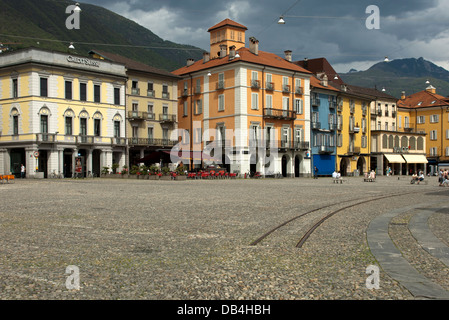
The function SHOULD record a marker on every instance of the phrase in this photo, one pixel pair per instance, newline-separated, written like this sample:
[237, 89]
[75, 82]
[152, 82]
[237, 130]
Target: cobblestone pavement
[134, 239]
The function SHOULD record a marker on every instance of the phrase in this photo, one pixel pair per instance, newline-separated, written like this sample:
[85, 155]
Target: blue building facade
[323, 126]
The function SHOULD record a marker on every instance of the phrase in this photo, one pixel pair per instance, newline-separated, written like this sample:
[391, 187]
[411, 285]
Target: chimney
[324, 81]
[403, 95]
[431, 89]
[231, 52]
[190, 62]
[206, 57]
[288, 55]
[223, 51]
[254, 46]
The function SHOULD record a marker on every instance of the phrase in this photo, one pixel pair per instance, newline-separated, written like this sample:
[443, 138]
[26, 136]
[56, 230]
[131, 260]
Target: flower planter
[153, 177]
[165, 178]
[181, 178]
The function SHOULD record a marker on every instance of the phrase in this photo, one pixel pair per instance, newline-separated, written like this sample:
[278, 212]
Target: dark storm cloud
[314, 28]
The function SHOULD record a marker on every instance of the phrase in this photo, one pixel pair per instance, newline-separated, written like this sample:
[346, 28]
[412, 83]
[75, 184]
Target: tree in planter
[105, 171]
[134, 169]
[115, 166]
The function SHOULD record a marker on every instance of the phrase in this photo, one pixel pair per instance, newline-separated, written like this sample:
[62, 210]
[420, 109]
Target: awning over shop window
[415, 158]
[394, 158]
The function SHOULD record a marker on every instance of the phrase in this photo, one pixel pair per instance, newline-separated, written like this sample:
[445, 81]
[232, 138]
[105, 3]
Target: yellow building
[151, 107]
[353, 137]
[251, 103]
[427, 113]
[59, 110]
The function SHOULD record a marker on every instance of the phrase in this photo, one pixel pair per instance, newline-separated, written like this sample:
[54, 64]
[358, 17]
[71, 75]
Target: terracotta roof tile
[227, 22]
[423, 99]
[263, 58]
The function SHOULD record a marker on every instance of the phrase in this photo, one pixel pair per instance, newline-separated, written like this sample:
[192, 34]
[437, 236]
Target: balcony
[373, 113]
[332, 126]
[45, 137]
[137, 115]
[301, 145]
[316, 102]
[152, 142]
[135, 91]
[326, 149]
[118, 141]
[298, 90]
[386, 113]
[315, 125]
[255, 84]
[150, 93]
[270, 86]
[220, 85]
[279, 114]
[409, 127]
[185, 93]
[286, 88]
[333, 105]
[164, 117]
[150, 116]
[85, 140]
[165, 95]
[393, 114]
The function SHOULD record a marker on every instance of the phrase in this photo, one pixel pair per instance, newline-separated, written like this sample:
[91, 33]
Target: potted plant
[114, 167]
[153, 172]
[125, 172]
[165, 173]
[105, 172]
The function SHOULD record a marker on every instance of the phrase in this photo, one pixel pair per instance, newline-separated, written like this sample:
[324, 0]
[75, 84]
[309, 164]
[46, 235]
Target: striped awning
[394, 158]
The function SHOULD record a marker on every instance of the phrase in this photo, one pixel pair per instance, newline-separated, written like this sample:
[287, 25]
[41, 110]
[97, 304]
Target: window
[44, 123]
[97, 93]
[97, 127]
[339, 140]
[185, 109]
[44, 87]
[68, 126]
[135, 87]
[298, 106]
[150, 108]
[198, 86]
[150, 90]
[434, 118]
[15, 88]
[83, 127]
[83, 92]
[15, 125]
[150, 134]
[165, 134]
[117, 129]
[421, 119]
[364, 141]
[221, 102]
[165, 94]
[254, 101]
[198, 107]
[399, 121]
[434, 151]
[68, 90]
[433, 135]
[269, 101]
[220, 81]
[117, 96]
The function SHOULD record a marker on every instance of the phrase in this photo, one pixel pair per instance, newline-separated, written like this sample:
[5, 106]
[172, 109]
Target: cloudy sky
[314, 28]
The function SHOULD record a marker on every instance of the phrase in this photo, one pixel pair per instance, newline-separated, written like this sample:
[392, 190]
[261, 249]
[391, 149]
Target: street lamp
[281, 20]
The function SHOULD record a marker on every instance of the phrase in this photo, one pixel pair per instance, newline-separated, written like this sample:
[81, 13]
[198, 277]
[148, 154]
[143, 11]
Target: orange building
[246, 105]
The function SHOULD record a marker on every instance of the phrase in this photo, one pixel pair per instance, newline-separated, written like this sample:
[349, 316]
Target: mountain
[43, 24]
[409, 75]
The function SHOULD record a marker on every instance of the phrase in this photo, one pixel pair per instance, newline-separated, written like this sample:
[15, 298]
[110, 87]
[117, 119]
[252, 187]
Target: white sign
[85, 61]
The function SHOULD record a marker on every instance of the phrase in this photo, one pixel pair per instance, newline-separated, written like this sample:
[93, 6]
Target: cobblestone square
[194, 239]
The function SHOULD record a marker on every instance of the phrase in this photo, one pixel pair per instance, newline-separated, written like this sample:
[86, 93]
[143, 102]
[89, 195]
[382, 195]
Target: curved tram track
[321, 220]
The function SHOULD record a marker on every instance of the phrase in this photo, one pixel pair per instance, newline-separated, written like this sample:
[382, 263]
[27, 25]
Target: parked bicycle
[55, 175]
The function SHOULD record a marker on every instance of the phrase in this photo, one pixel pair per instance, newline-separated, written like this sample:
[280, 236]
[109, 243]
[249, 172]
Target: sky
[336, 30]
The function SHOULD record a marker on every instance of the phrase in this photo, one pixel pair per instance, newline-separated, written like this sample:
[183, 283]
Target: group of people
[443, 177]
[336, 175]
[418, 177]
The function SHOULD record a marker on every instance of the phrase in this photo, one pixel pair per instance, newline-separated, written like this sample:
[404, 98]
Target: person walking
[22, 171]
[315, 170]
